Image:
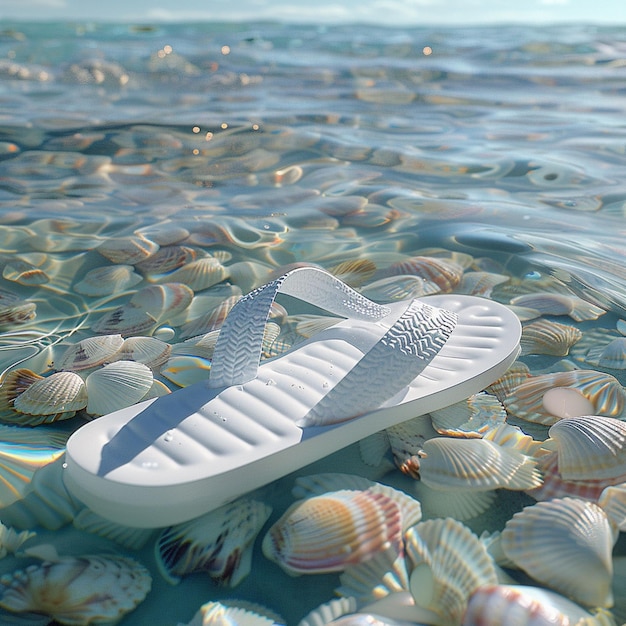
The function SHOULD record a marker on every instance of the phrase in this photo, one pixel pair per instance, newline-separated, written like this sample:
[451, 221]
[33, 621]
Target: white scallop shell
[126, 320]
[613, 502]
[460, 504]
[167, 259]
[164, 233]
[327, 533]
[548, 337]
[103, 281]
[477, 414]
[77, 590]
[199, 345]
[199, 274]
[601, 347]
[560, 304]
[401, 287]
[116, 386]
[11, 541]
[235, 613]
[447, 563]
[480, 283]
[58, 393]
[147, 350]
[328, 612]
[476, 464]
[590, 447]
[444, 273]
[163, 302]
[602, 390]
[565, 544]
[126, 536]
[219, 543]
[210, 321]
[89, 352]
[127, 250]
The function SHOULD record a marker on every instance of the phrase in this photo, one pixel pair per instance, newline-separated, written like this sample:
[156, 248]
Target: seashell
[602, 348]
[127, 320]
[88, 353]
[234, 612]
[517, 374]
[248, 275]
[125, 536]
[15, 311]
[219, 543]
[326, 533]
[199, 274]
[355, 273]
[163, 233]
[116, 386]
[166, 259]
[77, 590]
[20, 271]
[566, 544]
[509, 436]
[163, 302]
[613, 503]
[547, 337]
[480, 283]
[157, 390]
[406, 441]
[495, 605]
[127, 250]
[11, 541]
[104, 281]
[213, 320]
[590, 447]
[460, 504]
[444, 273]
[328, 612]
[602, 390]
[200, 345]
[58, 393]
[400, 287]
[309, 325]
[476, 464]
[447, 563]
[186, 370]
[560, 304]
[147, 350]
[478, 414]
[22, 453]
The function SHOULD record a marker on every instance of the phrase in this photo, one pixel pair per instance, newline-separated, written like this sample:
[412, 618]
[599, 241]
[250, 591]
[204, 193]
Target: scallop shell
[496, 605]
[602, 390]
[328, 612]
[147, 350]
[77, 590]
[20, 271]
[127, 250]
[329, 532]
[517, 374]
[565, 544]
[164, 301]
[199, 345]
[602, 348]
[402, 287]
[548, 337]
[480, 283]
[88, 353]
[447, 563]
[406, 441]
[103, 281]
[127, 320]
[186, 370]
[200, 274]
[476, 464]
[58, 393]
[15, 311]
[460, 504]
[219, 543]
[212, 320]
[11, 541]
[355, 273]
[125, 536]
[235, 613]
[117, 386]
[613, 502]
[164, 233]
[560, 304]
[446, 274]
[167, 259]
[478, 414]
[590, 447]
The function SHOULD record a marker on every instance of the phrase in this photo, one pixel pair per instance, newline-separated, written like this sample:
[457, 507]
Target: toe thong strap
[238, 350]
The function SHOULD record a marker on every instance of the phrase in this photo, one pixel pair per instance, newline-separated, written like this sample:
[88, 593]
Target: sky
[390, 12]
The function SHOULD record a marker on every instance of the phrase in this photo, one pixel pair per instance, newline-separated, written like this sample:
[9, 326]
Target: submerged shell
[60, 392]
[116, 386]
[401, 287]
[450, 463]
[355, 273]
[126, 536]
[548, 337]
[602, 348]
[77, 590]
[163, 302]
[477, 414]
[210, 321]
[329, 532]
[444, 273]
[590, 447]
[447, 563]
[235, 613]
[613, 503]
[147, 350]
[103, 281]
[127, 250]
[89, 353]
[167, 259]
[566, 544]
[480, 283]
[126, 320]
[602, 390]
[200, 274]
[560, 304]
[186, 370]
[219, 543]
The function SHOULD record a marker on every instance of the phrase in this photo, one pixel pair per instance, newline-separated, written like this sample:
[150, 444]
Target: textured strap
[238, 349]
[395, 361]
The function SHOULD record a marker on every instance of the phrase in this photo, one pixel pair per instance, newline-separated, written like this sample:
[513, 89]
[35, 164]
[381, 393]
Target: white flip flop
[170, 459]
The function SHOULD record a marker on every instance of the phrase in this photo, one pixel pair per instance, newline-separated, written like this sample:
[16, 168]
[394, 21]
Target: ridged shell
[560, 304]
[450, 463]
[478, 414]
[116, 386]
[89, 353]
[127, 320]
[447, 563]
[235, 613]
[127, 250]
[517, 374]
[163, 302]
[590, 447]
[219, 543]
[199, 345]
[400, 287]
[103, 281]
[613, 503]
[167, 259]
[77, 590]
[565, 544]
[212, 320]
[603, 390]
[24, 273]
[60, 392]
[329, 532]
[125, 536]
[602, 348]
[406, 441]
[186, 370]
[480, 283]
[11, 541]
[518, 605]
[147, 350]
[164, 233]
[328, 612]
[355, 273]
[444, 273]
[548, 337]
[199, 274]
[15, 311]
[460, 504]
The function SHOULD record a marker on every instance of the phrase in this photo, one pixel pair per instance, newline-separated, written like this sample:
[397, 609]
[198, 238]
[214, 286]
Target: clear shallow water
[282, 144]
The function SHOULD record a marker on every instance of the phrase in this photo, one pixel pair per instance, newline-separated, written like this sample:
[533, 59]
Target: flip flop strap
[238, 350]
